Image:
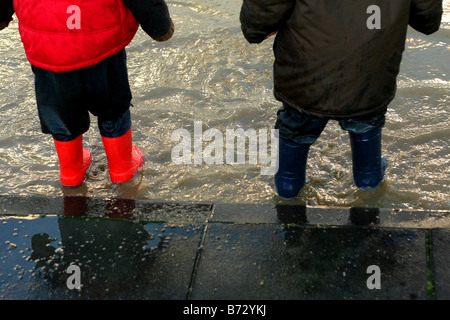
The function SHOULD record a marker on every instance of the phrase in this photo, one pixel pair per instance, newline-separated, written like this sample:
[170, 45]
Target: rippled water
[207, 72]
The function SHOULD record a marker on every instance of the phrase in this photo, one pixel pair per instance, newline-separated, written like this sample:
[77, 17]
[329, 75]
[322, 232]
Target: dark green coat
[329, 59]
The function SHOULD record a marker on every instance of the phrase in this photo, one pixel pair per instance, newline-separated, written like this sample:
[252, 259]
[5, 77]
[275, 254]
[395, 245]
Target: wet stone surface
[79, 206]
[441, 262]
[357, 216]
[272, 262]
[117, 259]
[127, 249]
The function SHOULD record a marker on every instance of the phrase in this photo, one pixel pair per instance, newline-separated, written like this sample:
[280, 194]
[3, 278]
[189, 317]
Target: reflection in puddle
[117, 258]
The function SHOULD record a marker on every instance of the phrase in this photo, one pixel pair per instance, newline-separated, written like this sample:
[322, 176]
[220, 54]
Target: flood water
[208, 73]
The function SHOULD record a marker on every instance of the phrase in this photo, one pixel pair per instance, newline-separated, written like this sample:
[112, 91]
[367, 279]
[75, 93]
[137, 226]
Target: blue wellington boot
[368, 165]
[291, 173]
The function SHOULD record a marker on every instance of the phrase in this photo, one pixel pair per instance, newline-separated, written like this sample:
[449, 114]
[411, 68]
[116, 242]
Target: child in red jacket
[78, 58]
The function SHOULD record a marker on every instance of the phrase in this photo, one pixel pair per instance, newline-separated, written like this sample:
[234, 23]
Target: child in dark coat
[335, 60]
[77, 54]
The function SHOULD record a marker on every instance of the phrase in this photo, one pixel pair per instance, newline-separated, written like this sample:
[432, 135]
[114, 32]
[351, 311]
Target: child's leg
[365, 138]
[124, 158]
[110, 100]
[61, 103]
[297, 132]
[61, 114]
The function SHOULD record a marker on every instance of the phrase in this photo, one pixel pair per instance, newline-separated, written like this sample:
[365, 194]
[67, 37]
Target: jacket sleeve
[153, 16]
[6, 12]
[425, 15]
[260, 18]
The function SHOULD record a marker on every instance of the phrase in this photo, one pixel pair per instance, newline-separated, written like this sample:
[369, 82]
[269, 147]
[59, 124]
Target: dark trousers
[65, 99]
[305, 129]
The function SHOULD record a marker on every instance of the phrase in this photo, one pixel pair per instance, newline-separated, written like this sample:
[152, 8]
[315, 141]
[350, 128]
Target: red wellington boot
[74, 160]
[124, 159]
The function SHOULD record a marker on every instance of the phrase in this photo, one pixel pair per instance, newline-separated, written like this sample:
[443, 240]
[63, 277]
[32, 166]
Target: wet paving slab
[130, 209]
[116, 259]
[273, 262]
[300, 214]
[83, 248]
[441, 262]
[122, 249]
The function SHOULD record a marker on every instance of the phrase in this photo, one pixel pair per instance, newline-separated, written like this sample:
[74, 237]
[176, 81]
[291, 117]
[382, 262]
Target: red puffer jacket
[65, 35]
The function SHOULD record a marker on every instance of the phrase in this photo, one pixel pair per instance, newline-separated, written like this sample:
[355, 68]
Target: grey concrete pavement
[145, 250]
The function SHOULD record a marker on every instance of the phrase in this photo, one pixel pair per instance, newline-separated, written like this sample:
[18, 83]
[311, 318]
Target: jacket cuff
[4, 24]
[427, 25]
[166, 36]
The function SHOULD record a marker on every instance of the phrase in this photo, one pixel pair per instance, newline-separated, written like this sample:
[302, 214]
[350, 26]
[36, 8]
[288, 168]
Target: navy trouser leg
[115, 128]
[61, 104]
[365, 140]
[108, 87]
[297, 132]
